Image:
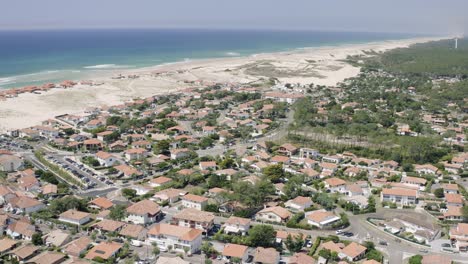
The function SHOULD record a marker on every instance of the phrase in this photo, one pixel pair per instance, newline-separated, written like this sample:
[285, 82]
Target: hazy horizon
[418, 16]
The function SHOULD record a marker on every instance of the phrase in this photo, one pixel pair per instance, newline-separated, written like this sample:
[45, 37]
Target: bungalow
[179, 153]
[352, 171]
[453, 213]
[454, 199]
[299, 203]
[237, 225]
[329, 168]
[100, 203]
[107, 225]
[24, 204]
[168, 195]
[208, 165]
[420, 182]
[6, 245]
[145, 144]
[143, 212]
[74, 217]
[93, 144]
[194, 218]
[321, 218]
[275, 214]
[194, 201]
[450, 188]
[127, 171]
[182, 239]
[352, 252]
[49, 257]
[78, 246]
[332, 159]
[239, 252]
[426, 169]
[335, 185]
[104, 250]
[56, 238]
[21, 230]
[280, 159]
[136, 232]
[24, 253]
[160, 181]
[105, 159]
[301, 258]
[136, 154]
[399, 196]
[266, 256]
[103, 135]
[459, 236]
[287, 149]
[93, 124]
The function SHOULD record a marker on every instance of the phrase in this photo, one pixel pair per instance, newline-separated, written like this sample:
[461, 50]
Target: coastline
[319, 65]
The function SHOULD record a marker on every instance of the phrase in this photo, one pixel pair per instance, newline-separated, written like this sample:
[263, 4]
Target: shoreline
[318, 65]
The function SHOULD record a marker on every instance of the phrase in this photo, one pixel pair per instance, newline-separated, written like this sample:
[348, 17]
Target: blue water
[36, 57]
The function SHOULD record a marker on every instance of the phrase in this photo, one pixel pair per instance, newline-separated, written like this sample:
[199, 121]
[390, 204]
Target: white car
[339, 231]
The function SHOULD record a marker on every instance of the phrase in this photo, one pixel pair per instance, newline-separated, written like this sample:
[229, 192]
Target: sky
[412, 16]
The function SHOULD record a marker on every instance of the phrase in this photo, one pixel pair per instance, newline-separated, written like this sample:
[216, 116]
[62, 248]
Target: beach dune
[322, 65]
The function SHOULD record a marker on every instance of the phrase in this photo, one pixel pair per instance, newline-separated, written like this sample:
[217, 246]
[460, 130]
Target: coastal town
[263, 172]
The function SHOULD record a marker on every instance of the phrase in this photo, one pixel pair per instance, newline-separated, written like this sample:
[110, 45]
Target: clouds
[423, 16]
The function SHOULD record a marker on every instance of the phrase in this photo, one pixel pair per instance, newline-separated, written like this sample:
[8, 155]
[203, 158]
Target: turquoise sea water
[36, 57]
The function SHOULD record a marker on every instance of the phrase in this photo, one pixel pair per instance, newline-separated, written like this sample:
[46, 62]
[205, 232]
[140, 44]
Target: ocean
[37, 57]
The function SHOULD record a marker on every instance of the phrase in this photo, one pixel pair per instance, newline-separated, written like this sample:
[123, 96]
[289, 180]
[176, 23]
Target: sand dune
[321, 65]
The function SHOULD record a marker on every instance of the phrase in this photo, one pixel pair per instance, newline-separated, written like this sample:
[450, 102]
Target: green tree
[294, 244]
[274, 172]
[261, 236]
[371, 204]
[37, 239]
[439, 192]
[128, 193]
[416, 259]
[117, 212]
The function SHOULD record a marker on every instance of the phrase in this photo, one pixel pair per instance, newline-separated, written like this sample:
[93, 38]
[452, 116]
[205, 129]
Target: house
[132, 231]
[143, 212]
[106, 159]
[10, 162]
[459, 236]
[107, 225]
[49, 257]
[168, 195]
[178, 238]
[321, 218]
[24, 253]
[179, 153]
[194, 201]
[453, 199]
[74, 217]
[307, 153]
[287, 149]
[29, 183]
[266, 256]
[237, 225]
[420, 182]
[160, 181]
[453, 213]
[426, 169]
[352, 252]
[239, 252]
[352, 171]
[135, 154]
[329, 168]
[7, 244]
[100, 203]
[193, 218]
[21, 230]
[280, 159]
[399, 196]
[93, 144]
[450, 188]
[127, 171]
[78, 246]
[299, 203]
[275, 214]
[24, 204]
[56, 238]
[6, 193]
[104, 250]
[208, 165]
[335, 185]
[301, 258]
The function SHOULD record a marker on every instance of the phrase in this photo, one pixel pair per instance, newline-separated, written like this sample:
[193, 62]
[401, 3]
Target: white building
[106, 159]
[237, 225]
[321, 218]
[176, 238]
[74, 217]
[399, 196]
[194, 201]
[143, 212]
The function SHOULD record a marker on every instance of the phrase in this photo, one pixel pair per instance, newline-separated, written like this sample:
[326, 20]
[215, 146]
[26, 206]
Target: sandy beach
[322, 65]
